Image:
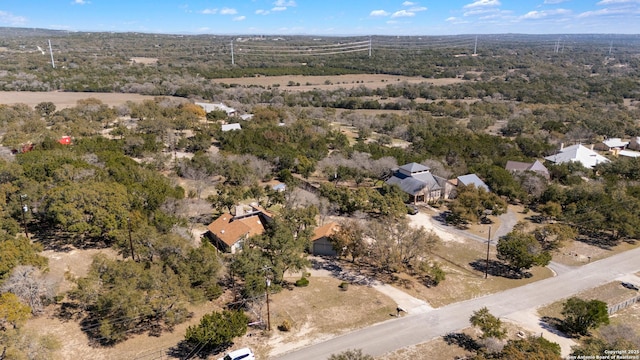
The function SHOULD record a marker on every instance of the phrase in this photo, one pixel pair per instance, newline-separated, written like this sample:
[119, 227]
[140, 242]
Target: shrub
[302, 282]
[344, 285]
[285, 326]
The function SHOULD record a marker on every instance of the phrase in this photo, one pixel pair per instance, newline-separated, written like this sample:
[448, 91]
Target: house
[536, 167]
[613, 144]
[229, 232]
[472, 179]
[321, 245]
[634, 144]
[629, 153]
[230, 127]
[208, 107]
[418, 181]
[577, 153]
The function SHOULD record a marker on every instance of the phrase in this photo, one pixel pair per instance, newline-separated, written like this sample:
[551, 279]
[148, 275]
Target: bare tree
[27, 283]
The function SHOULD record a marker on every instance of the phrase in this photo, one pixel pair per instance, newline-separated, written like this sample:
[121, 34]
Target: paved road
[414, 329]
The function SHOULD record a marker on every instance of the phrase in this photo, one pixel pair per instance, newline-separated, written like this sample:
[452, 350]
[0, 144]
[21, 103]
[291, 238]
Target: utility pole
[268, 312]
[24, 208]
[369, 46]
[130, 240]
[486, 269]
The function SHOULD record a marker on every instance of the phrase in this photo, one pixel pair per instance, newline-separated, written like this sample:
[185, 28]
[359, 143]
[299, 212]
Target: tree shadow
[498, 268]
[187, 350]
[601, 240]
[463, 341]
[553, 325]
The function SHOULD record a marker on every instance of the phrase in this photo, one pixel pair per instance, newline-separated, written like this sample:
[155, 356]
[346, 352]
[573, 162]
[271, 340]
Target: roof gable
[587, 157]
[470, 179]
[230, 231]
[325, 230]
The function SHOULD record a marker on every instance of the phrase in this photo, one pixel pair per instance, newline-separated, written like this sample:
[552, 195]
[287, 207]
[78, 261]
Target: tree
[471, 205]
[217, 329]
[490, 325]
[349, 239]
[45, 108]
[531, 348]
[398, 245]
[522, 251]
[552, 236]
[19, 251]
[12, 311]
[27, 283]
[582, 315]
[353, 354]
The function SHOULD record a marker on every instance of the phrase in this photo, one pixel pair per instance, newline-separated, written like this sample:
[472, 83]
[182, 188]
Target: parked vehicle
[412, 209]
[240, 354]
[629, 286]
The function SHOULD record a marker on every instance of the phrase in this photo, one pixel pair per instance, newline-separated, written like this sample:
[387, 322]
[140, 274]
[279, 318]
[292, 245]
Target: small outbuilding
[321, 244]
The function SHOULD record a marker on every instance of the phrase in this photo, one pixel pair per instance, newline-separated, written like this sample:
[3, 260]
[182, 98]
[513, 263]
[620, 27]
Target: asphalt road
[414, 329]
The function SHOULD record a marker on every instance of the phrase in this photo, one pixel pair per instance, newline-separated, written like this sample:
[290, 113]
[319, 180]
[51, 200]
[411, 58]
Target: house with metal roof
[577, 153]
[472, 179]
[418, 181]
[536, 167]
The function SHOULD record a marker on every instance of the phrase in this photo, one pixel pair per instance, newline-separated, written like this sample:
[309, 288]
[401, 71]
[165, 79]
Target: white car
[240, 354]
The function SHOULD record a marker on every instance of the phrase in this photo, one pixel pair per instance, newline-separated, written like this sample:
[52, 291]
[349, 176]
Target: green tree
[471, 204]
[352, 354]
[490, 325]
[532, 347]
[19, 251]
[217, 329]
[12, 311]
[349, 239]
[522, 251]
[581, 315]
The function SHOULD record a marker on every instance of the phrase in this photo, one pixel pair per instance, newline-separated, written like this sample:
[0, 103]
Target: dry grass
[438, 349]
[332, 82]
[580, 253]
[463, 281]
[64, 100]
[322, 310]
[612, 293]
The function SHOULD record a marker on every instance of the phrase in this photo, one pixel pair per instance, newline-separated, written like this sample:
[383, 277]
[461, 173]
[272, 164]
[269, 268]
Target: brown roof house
[536, 167]
[229, 232]
[321, 245]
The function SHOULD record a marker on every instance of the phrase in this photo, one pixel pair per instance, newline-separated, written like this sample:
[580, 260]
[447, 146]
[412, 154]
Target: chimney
[561, 146]
[591, 147]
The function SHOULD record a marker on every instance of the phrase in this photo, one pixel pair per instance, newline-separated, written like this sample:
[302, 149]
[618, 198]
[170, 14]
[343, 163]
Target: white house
[229, 127]
[208, 107]
[578, 153]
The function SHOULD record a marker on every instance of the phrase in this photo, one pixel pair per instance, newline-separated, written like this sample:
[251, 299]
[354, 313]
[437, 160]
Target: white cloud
[9, 18]
[228, 11]
[403, 13]
[209, 11]
[262, 12]
[284, 3]
[408, 3]
[612, 2]
[418, 9]
[555, 1]
[279, 8]
[545, 13]
[378, 13]
[482, 3]
[79, 2]
[239, 18]
[602, 12]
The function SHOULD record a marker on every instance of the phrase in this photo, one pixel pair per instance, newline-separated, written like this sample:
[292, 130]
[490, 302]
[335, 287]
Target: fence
[623, 305]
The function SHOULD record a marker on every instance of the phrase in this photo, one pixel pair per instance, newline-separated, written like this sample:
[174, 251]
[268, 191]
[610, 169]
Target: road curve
[414, 329]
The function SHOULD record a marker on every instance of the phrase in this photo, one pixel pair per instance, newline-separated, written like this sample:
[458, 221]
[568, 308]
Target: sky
[327, 17]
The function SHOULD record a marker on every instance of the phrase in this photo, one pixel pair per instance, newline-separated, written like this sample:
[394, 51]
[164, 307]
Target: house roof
[325, 231]
[629, 153]
[535, 166]
[414, 184]
[231, 231]
[413, 167]
[615, 143]
[208, 107]
[229, 127]
[469, 179]
[517, 166]
[587, 157]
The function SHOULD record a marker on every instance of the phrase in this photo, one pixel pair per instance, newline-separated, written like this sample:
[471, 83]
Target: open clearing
[64, 100]
[332, 82]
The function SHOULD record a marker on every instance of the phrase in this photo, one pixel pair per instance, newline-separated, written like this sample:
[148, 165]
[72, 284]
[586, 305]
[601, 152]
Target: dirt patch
[74, 263]
[64, 100]
[333, 82]
[322, 310]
